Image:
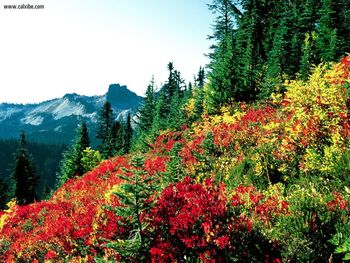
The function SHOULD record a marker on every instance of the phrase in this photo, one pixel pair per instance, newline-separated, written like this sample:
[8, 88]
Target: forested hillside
[249, 163]
[46, 159]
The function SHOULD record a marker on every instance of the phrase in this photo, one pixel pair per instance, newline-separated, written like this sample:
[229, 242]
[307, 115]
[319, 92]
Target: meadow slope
[259, 183]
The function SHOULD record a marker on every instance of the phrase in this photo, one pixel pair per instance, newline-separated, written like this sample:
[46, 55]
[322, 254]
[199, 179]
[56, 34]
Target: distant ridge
[55, 121]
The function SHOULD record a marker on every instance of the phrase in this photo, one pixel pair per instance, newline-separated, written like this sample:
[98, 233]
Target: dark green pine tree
[223, 66]
[298, 18]
[341, 21]
[83, 137]
[199, 95]
[189, 87]
[326, 33]
[147, 111]
[4, 194]
[134, 195]
[250, 45]
[24, 174]
[175, 117]
[116, 142]
[170, 87]
[71, 164]
[200, 80]
[105, 123]
[127, 135]
[180, 85]
[276, 60]
[160, 115]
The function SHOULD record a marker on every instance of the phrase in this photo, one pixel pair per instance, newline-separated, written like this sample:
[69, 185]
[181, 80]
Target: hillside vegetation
[264, 181]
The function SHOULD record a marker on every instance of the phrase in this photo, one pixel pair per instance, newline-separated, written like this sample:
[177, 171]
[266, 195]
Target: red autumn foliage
[194, 220]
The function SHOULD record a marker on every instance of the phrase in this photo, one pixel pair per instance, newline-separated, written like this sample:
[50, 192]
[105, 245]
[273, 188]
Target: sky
[83, 46]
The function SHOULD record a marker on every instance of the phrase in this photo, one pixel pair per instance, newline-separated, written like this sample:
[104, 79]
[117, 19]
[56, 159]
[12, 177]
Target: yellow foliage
[317, 97]
[188, 108]
[317, 108]
[11, 208]
[258, 169]
[110, 193]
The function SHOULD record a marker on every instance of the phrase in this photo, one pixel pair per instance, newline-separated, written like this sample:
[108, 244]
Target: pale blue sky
[83, 46]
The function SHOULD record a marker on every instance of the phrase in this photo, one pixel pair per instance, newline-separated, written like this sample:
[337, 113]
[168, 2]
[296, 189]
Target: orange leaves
[341, 74]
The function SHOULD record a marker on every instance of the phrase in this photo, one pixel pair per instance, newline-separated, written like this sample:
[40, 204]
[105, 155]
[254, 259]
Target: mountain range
[56, 120]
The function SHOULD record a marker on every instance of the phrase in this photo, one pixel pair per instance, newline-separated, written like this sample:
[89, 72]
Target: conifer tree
[105, 122]
[72, 165]
[199, 94]
[174, 117]
[326, 34]
[222, 74]
[160, 115]
[134, 196]
[249, 39]
[276, 59]
[4, 194]
[83, 137]
[180, 85]
[116, 142]
[171, 85]
[341, 22]
[189, 87]
[127, 135]
[24, 174]
[198, 103]
[147, 111]
[200, 78]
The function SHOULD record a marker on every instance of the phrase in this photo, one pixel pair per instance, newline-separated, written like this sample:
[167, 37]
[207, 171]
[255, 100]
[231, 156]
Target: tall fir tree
[4, 194]
[105, 123]
[326, 34]
[250, 39]
[341, 22]
[166, 105]
[222, 67]
[276, 59]
[135, 198]
[189, 87]
[116, 142]
[71, 164]
[160, 115]
[147, 111]
[175, 118]
[199, 94]
[170, 86]
[83, 137]
[127, 135]
[24, 174]
[200, 80]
